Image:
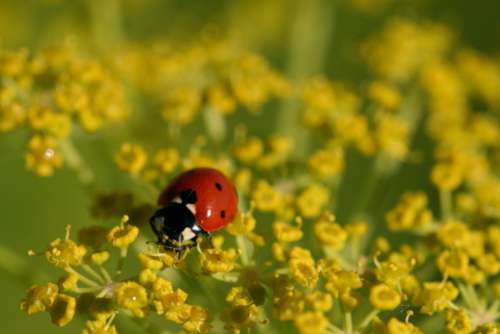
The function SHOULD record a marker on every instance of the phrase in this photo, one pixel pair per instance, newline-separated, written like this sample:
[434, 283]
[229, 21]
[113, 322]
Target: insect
[194, 204]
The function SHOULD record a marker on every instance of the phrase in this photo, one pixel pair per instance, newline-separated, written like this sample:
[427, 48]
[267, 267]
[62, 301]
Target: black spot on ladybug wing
[218, 186]
[223, 214]
[188, 196]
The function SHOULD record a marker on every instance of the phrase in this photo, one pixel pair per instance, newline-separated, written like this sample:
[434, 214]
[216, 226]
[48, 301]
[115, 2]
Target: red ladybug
[195, 203]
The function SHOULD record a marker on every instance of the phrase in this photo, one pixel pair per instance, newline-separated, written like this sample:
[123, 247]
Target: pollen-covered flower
[458, 322]
[436, 296]
[384, 297]
[453, 263]
[98, 327]
[63, 310]
[311, 323]
[303, 268]
[65, 253]
[39, 298]
[43, 156]
[218, 260]
[133, 297]
[249, 151]
[394, 326]
[410, 213]
[286, 233]
[123, 235]
[166, 160]
[327, 163]
[312, 200]
[266, 197]
[131, 158]
[385, 94]
[330, 234]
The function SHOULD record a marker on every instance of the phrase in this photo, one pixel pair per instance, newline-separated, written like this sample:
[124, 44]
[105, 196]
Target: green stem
[93, 273]
[445, 202]
[83, 278]
[368, 319]
[348, 322]
[309, 42]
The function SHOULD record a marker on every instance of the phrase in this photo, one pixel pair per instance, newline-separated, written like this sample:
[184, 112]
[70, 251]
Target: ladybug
[194, 204]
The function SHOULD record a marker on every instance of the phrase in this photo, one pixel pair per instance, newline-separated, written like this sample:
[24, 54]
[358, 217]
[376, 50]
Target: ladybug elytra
[195, 203]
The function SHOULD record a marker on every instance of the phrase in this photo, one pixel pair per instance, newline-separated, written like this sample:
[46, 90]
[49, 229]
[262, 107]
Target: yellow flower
[42, 156]
[249, 151]
[446, 177]
[312, 200]
[453, 233]
[330, 234]
[320, 301]
[394, 326]
[218, 260]
[489, 264]
[281, 145]
[12, 114]
[243, 224]
[63, 310]
[311, 323]
[286, 233]
[181, 105]
[266, 197]
[220, 100]
[410, 213]
[133, 297]
[131, 158]
[166, 160]
[458, 322]
[69, 282]
[385, 94]
[100, 258]
[65, 253]
[304, 271]
[122, 236]
[39, 298]
[340, 282]
[391, 135]
[149, 262]
[198, 320]
[384, 298]
[453, 263]
[436, 296]
[327, 163]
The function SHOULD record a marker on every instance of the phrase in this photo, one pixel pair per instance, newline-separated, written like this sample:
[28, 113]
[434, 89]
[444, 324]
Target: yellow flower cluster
[50, 92]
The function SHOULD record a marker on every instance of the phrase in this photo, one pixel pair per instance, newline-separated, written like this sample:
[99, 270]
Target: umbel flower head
[366, 205]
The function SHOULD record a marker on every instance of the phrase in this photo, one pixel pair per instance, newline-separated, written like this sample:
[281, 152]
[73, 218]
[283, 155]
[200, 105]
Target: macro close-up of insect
[250, 166]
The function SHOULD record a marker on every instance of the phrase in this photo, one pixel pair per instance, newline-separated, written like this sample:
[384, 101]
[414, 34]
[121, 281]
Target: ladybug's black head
[175, 225]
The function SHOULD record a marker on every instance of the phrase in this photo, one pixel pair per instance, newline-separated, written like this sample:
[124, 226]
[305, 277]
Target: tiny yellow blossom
[131, 158]
[166, 160]
[149, 262]
[69, 282]
[458, 322]
[320, 301]
[122, 236]
[327, 163]
[43, 156]
[394, 326]
[311, 323]
[384, 298]
[63, 310]
[39, 298]
[312, 200]
[330, 234]
[65, 253]
[100, 258]
[436, 296]
[446, 177]
[286, 233]
[384, 94]
[266, 197]
[133, 297]
[453, 263]
[218, 260]
[249, 151]
[98, 327]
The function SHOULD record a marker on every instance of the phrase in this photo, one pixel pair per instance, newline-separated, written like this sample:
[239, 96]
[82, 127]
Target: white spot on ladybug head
[177, 200]
[192, 208]
[187, 234]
